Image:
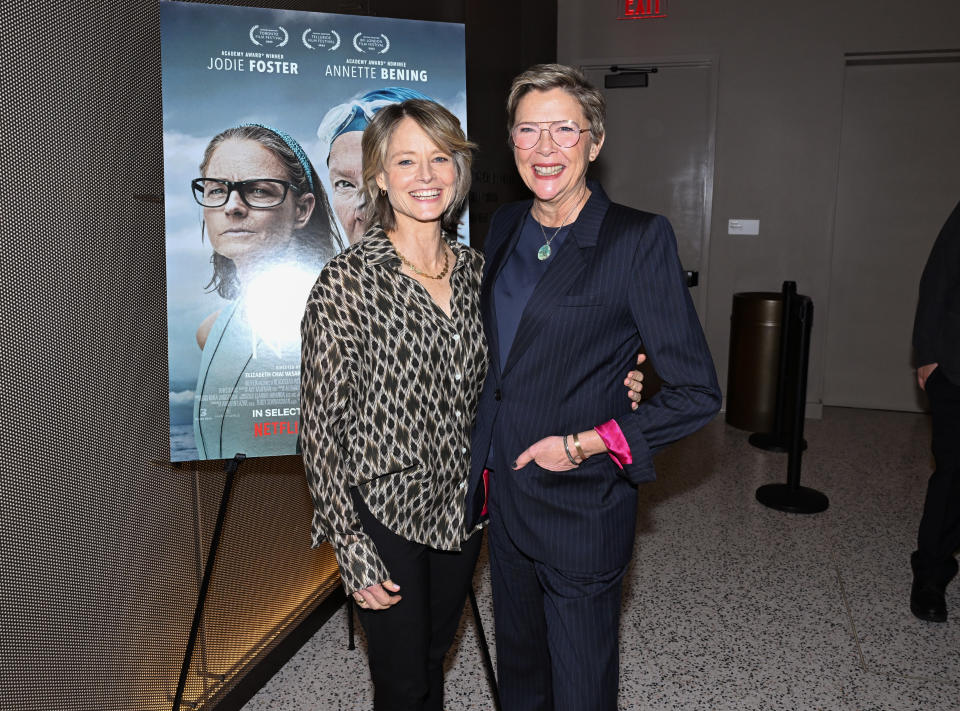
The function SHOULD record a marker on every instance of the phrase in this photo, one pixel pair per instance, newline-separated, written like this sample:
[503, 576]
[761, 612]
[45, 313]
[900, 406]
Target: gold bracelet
[576, 444]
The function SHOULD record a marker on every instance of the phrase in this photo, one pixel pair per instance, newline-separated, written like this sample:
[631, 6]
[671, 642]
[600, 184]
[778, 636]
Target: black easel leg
[351, 622]
[231, 469]
[485, 651]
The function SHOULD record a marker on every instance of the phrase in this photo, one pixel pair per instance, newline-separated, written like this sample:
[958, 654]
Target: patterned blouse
[388, 394]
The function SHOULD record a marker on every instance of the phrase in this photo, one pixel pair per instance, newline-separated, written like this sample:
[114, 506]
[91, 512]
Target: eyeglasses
[565, 134]
[258, 193]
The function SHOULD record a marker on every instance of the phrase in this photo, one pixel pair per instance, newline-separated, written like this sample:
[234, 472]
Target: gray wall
[781, 71]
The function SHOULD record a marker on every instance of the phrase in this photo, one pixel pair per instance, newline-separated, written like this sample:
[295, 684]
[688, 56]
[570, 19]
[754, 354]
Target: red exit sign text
[642, 9]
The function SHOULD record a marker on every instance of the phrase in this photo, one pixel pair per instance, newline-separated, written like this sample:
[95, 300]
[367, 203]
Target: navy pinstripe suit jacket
[616, 285]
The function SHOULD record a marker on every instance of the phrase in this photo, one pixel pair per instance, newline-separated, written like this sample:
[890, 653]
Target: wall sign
[641, 9]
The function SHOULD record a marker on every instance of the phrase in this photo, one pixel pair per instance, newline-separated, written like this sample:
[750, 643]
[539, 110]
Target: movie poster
[278, 195]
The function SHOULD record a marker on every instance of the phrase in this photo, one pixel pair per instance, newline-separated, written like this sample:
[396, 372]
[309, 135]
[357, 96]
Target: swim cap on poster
[293, 146]
[355, 114]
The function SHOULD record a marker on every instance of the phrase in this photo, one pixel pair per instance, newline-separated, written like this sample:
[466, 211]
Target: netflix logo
[266, 429]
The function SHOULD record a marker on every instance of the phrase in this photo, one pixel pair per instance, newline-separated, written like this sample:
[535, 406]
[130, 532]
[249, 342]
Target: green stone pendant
[544, 252]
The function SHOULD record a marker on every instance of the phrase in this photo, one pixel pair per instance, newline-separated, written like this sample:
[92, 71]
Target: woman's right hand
[376, 596]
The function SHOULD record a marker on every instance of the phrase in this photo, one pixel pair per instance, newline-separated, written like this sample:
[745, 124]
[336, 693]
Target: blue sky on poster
[199, 102]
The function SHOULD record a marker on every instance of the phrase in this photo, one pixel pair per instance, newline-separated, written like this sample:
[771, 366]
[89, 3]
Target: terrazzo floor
[730, 605]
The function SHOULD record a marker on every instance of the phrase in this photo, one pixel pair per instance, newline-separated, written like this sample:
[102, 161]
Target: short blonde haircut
[441, 127]
[544, 77]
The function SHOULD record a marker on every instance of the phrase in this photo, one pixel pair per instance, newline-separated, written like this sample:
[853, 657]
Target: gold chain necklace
[410, 265]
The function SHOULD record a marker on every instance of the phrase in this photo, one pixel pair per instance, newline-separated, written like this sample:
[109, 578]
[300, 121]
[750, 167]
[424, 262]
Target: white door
[658, 152]
[898, 180]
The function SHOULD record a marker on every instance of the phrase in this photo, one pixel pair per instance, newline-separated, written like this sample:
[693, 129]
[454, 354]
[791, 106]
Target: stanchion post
[798, 416]
[791, 497]
[789, 292]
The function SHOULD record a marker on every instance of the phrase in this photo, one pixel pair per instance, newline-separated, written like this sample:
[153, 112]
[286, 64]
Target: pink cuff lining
[486, 490]
[617, 446]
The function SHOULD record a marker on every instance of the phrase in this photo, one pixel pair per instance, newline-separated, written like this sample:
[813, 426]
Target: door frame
[831, 318]
[696, 61]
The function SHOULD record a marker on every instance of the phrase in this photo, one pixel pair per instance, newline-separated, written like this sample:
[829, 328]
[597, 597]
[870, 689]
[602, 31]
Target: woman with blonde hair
[392, 364]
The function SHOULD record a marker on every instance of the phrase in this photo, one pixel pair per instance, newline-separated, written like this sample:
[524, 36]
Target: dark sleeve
[674, 342]
[939, 285]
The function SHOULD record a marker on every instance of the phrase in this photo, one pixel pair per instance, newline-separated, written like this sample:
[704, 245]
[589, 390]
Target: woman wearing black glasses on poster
[271, 228]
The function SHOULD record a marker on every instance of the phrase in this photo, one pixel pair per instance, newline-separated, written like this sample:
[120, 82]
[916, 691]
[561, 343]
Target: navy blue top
[519, 277]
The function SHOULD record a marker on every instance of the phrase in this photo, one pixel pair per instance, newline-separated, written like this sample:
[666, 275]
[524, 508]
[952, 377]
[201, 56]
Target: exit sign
[641, 9]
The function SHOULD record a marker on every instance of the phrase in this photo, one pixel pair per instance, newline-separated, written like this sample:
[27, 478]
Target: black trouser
[939, 534]
[406, 643]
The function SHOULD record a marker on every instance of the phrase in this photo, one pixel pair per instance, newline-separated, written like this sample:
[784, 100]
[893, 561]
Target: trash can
[754, 363]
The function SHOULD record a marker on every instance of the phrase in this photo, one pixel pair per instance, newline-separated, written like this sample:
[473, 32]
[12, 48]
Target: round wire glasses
[565, 134]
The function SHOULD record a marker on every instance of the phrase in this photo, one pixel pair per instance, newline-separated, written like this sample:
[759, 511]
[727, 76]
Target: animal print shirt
[388, 394]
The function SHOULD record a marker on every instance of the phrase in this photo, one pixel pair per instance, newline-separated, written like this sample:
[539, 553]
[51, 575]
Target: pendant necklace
[544, 252]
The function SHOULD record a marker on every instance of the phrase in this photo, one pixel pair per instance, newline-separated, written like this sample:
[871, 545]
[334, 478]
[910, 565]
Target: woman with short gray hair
[574, 286]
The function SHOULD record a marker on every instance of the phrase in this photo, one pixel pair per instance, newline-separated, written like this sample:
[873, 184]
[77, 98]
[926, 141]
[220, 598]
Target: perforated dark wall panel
[102, 544]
